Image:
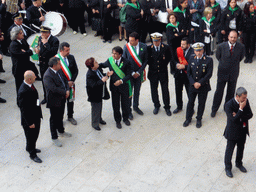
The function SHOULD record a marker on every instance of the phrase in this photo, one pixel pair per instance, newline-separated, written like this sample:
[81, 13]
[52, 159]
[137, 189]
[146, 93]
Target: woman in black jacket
[249, 26]
[231, 19]
[183, 15]
[208, 29]
[134, 13]
[175, 31]
[96, 90]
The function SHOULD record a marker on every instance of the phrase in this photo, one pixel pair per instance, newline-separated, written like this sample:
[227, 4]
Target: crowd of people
[190, 27]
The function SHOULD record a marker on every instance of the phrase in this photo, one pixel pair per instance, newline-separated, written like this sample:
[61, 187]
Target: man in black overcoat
[238, 112]
[31, 114]
[57, 91]
[119, 86]
[48, 46]
[70, 62]
[229, 55]
[159, 56]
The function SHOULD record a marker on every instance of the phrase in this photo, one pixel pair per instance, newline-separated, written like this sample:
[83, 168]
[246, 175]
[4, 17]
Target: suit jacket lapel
[227, 49]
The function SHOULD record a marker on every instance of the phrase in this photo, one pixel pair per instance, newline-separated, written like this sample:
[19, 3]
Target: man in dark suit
[96, 90]
[136, 53]
[20, 55]
[229, 54]
[48, 46]
[238, 112]
[179, 71]
[159, 56]
[199, 72]
[57, 91]
[31, 114]
[120, 86]
[70, 70]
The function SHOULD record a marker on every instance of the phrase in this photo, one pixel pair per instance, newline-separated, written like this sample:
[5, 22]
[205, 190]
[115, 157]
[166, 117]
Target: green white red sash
[67, 73]
[120, 73]
[137, 60]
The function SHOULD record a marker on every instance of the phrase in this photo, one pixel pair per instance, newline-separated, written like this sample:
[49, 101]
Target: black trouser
[219, 93]
[120, 94]
[239, 153]
[249, 42]
[70, 108]
[96, 113]
[31, 135]
[136, 85]
[165, 92]
[43, 68]
[76, 17]
[56, 120]
[180, 80]
[208, 49]
[147, 27]
[194, 36]
[202, 96]
[108, 26]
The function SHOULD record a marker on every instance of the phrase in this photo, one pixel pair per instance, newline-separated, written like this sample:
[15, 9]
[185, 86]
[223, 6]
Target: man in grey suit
[136, 53]
[57, 91]
[229, 54]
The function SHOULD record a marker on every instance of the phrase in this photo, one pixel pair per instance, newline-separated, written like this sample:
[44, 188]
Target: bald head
[29, 77]
[232, 37]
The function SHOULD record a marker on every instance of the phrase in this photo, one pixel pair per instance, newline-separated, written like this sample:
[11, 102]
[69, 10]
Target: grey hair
[240, 91]
[14, 32]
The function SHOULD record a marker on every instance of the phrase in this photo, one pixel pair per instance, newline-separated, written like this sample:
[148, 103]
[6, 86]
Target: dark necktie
[33, 87]
[61, 80]
[231, 50]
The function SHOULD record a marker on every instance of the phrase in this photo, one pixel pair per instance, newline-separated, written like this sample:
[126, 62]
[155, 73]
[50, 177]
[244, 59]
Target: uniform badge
[162, 45]
[192, 63]
[227, 15]
[204, 70]
[141, 49]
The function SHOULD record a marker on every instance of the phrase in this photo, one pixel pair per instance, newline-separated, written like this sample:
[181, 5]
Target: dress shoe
[138, 111]
[130, 116]
[37, 150]
[198, 123]
[229, 173]
[104, 41]
[65, 134]
[177, 110]
[2, 70]
[43, 102]
[36, 159]
[2, 100]
[242, 168]
[186, 123]
[246, 60]
[72, 121]
[127, 122]
[97, 128]
[57, 142]
[249, 60]
[168, 112]
[213, 114]
[118, 125]
[156, 110]
[102, 122]
[2, 81]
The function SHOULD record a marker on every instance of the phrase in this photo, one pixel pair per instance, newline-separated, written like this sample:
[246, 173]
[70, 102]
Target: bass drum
[33, 42]
[56, 22]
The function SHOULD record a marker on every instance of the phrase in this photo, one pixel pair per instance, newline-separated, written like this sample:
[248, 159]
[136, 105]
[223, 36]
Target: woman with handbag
[96, 90]
[121, 4]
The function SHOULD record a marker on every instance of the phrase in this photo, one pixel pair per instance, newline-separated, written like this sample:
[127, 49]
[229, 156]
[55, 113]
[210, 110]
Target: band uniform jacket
[237, 126]
[47, 50]
[20, 60]
[55, 88]
[228, 69]
[174, 69]
[94, 87]
[158, 62]
[126, 68]
[33, 15]
[200, 72]
[143, 54]
[27, 101]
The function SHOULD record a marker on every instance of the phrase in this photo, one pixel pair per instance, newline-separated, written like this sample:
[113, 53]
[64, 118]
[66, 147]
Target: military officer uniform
[199, 70]
[158, 60]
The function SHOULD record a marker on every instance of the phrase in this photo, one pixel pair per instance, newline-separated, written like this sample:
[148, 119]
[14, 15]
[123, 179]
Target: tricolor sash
[68, 75]
[120, 73]
[181, 58]
[137, 60]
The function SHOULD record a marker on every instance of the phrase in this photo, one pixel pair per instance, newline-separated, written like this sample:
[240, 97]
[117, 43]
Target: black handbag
[96, 24]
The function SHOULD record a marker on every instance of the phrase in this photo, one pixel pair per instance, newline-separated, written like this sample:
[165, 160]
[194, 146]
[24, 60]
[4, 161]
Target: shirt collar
[53, 70]
[119, 60]
[27, 83]
[231, 44]
[236, 101]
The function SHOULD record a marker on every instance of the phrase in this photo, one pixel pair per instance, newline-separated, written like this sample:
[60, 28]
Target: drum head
[56, 22]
